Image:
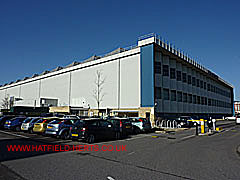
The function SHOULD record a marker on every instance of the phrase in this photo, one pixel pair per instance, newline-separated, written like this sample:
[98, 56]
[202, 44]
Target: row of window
[179, 96]
[179, 76]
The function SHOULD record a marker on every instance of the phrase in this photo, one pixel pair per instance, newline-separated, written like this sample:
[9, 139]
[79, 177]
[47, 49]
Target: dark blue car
[3, 119]
[14, 124]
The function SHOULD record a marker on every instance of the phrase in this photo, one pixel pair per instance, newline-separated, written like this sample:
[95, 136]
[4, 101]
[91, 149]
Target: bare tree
[5, 103]
[98, 93]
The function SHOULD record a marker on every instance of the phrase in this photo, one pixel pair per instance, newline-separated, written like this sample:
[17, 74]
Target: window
[198, 84]
[172, 73]
[205, 84]
[208, 87]
[179, 96]
[202, 100]
[179, 76]
[193, 81]
[194, 99]
[166, 94]
[157, 67]
[211, 88]
[158, 93]
[184, 77]
[189, 98]
[201, 84]
[173, 95]
[165, 70]
[189, 79]
[213, 102]
[198, 100]
[185, 97]
[209, 102]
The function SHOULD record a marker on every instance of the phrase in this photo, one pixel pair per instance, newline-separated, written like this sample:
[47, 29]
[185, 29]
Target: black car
[91, 130]
[3, 120]
[185, 121]
[122, 126]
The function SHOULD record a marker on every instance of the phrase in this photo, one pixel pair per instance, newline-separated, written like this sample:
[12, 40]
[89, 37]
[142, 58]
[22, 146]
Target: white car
[238, 119]
[140, 124]
[232, 118]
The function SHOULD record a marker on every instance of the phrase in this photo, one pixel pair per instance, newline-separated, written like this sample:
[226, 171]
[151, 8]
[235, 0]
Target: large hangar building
[151, 79]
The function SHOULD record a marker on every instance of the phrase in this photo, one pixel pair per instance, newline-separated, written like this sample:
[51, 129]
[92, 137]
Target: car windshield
[27, 120]
[138, 120]
[79, 123]
[57, 121]
[34, 120]
[40, 120]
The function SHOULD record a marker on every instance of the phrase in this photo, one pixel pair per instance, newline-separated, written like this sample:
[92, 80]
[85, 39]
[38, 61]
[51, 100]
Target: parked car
[91, 130]
[231, 118]
[41, 125]
[186, 121]
[237, 119]
[140, 124]
[71, 117]
[122, 126]
[14, 124]
[28, 124]
[3, 119]
[60, 127]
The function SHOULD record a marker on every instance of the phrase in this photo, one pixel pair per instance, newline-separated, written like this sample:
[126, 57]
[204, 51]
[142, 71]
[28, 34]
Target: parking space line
[13, 134]
[187, 137]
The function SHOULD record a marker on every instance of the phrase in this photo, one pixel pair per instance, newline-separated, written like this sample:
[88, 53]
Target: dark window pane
[157, 67]
[179, 96]
[208, 87]
[158, 93]
[189, 98]
[198, 100]
[193, 81]
[184, 77]
[189, 79]
[166, 94]
[209, 102]
[194, 99]
[172, 73]
[202, 100]
[185, 97]
[173, 95]
[201, 84]
[198, 84]
[165, 70]
[179, 76]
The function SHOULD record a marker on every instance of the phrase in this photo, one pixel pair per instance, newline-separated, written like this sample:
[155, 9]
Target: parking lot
[161, 155]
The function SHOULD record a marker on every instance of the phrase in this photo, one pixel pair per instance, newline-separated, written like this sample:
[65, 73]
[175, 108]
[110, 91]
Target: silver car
[28, 123]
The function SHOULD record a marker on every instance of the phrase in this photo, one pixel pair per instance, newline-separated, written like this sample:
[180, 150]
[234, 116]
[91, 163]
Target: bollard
[214, 124]
[202, 126]
[196, 129]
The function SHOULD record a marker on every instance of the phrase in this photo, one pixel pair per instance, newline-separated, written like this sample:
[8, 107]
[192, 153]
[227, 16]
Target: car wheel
[136, 130]
[17, 128]
[117, 135]
[91, 139]
[179, 126]
[65, 135]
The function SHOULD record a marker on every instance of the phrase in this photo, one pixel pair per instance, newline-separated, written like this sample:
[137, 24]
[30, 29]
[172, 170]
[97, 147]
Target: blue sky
[41, 35]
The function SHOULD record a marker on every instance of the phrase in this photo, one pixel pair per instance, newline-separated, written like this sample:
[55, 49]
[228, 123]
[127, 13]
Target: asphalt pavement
[172, 155]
